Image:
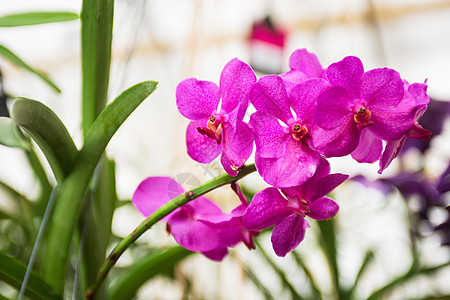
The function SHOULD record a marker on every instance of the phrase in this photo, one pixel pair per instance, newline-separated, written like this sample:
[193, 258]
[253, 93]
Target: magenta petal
[297, 165]
[270, 136]
[154, 192]
[200, 147]
[369, 148]
[288, 234]
[347, 74]
[237, 147]
[191, 234]
[236, 82]
[197, 99]
[206, 210]
[391, 151]
[323, 208]
[393, 124]
[306, 62]
[267, 208]
[217, 254]
[338, 142]
[269, 95]
[333, 108]
[319, 187]
[292, 78]
[304, 98]
[381, 88]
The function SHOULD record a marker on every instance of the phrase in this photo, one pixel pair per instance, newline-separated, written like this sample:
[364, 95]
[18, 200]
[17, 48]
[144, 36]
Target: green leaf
[96, 40]
[11, 136]
[411, 274]
[35, 18]
[13, 271]
[368, 258]
[286, 283]
[314, 286]
[131, 279]
[98, 233]
[74, 186]
[14, 59]
[47, 130]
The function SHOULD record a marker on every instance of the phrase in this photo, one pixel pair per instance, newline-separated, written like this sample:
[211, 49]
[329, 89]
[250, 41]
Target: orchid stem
[157, 216]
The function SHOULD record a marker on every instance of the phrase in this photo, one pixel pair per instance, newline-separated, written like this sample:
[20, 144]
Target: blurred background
[170, 40]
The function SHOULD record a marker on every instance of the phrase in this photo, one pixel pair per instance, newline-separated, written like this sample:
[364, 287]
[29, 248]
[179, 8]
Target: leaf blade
[49, 132]
[12, 271]
[36, 18]
[14, 59]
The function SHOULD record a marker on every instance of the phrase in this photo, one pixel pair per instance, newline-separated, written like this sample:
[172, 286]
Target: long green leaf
[14, 59]
[294, 293]
[98, 233]
[12, 272]
[413, 272]
[96, 40]
[35, 18]
[11, 136]
[44, 126]
[74, 186]
[127, 284]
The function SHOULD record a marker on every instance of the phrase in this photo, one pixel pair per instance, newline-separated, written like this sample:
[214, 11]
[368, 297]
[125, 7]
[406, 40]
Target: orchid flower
[216, 115]
[286, 208]
[200, 225]
[283, 154]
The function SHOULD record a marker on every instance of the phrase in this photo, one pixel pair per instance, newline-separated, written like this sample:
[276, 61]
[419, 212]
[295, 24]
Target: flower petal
[337, 142]
[306, 62]
[267, 208]
[270, 136]
[200, 147]
[369, 148]
[217, 254]
[391, 151]
[293, 168]
[323, 208]
[288, 234]
[269, 95]
[333, 108]
[381, 88]
[154, 192]
[292, 78]
[191, 234]
[236, 81]
[347, 74]
[316, 188]
[237, 147]
[197, 99]
[303, 98]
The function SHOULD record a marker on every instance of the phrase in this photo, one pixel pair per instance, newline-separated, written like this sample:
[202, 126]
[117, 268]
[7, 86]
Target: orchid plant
[303, 117]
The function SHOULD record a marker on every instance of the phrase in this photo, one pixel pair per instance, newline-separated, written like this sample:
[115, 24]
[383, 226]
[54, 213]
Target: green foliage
[35, 18]
[12, 272]
[14, 59]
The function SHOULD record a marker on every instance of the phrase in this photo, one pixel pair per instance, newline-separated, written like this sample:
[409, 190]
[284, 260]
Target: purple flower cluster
[302, 117]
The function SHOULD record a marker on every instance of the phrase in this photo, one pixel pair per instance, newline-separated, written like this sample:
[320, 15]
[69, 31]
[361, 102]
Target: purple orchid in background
[430, 193]
[216, 115]
[303, 65]
[358, 102]
[286, 208]
[200, 225]
[283, 154]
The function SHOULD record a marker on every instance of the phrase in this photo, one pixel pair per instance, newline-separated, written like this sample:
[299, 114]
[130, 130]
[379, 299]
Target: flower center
[299, 132]
[362, 117]
[299, 206]
[213, 128]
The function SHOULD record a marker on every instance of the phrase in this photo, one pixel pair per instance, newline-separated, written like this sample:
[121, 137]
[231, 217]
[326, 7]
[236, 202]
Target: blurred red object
[267, 47]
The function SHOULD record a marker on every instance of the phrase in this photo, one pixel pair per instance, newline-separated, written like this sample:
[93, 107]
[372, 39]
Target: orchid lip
[213, 128]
